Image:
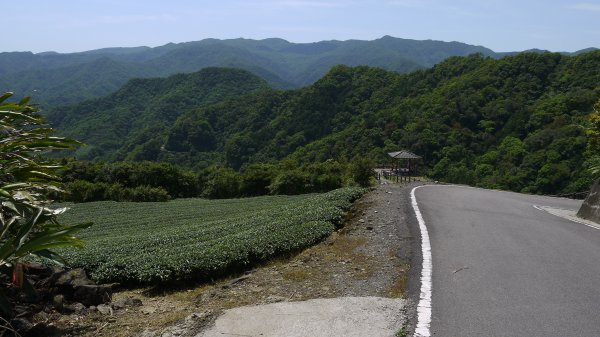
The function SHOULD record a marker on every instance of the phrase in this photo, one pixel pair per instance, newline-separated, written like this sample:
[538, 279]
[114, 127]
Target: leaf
[5, 96]
[26, 229]
[62, 235]
[14, 114]
[25, 100]
[50, 255]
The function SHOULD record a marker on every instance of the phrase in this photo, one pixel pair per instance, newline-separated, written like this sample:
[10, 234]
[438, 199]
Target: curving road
[504, 268]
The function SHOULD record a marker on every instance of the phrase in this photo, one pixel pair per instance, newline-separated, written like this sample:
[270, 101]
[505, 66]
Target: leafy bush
[198, 238]
[361, 171]
[222, 182]
[290, 183]
[257, 178]
[85, 191]
[128, 181]
[27, 226]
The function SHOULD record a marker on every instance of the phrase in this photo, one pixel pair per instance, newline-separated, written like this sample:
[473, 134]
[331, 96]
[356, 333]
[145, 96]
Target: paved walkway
[335, 317]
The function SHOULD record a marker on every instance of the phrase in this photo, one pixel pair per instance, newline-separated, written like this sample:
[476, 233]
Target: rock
[72, 278]
[126, 302]
[275, 299]
[133, 302]
[21, 310]
[369, 228]
[118, 305]
[91, 294]
[41, 316]
[206, 296]
[148, 310]
[75, 308]
[104, 309]
[190, 326]
[43, 330]
[37, 269]
[361, 220]
[21, 324]
[58, 301]
[148, 333]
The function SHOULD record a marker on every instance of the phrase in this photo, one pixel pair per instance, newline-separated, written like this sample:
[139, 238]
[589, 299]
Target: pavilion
[404, 163]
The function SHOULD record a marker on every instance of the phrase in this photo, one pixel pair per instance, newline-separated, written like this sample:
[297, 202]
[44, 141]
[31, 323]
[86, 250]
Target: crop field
[183, 239]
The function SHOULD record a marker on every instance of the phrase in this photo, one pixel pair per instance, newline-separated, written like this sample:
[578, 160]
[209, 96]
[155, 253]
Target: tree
[27, 181]
[594, 141]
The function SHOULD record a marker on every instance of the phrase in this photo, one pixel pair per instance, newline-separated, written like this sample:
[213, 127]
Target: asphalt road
[503, 268]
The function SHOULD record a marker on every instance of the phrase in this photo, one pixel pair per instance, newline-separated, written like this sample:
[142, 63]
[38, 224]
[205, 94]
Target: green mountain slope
[515, 123]
[140, 110]
[55, 79]
[74, 83]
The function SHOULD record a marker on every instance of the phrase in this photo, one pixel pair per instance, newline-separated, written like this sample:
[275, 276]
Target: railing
[397, 176]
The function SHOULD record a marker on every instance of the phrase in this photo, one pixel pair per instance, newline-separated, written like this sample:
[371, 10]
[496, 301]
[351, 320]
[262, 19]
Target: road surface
[504, 268]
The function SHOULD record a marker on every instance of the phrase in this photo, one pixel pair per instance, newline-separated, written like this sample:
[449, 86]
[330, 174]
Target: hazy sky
[502, 25]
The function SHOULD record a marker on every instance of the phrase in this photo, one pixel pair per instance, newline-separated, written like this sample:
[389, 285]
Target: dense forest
[58, 79]
[129, 122]
[515, 123]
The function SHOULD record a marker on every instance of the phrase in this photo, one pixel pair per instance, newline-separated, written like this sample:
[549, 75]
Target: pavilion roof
[403, 154]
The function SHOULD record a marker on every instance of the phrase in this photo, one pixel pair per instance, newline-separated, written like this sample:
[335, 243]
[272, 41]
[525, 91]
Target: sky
[501, 25]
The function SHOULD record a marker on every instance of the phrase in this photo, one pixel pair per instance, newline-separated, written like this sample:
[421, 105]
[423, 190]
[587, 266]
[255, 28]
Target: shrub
[291, 182]
[256, 179]
[222, 182]
[361, 171]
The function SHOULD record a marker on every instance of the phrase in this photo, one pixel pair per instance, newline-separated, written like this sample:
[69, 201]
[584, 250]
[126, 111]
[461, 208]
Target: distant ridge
[56, 79]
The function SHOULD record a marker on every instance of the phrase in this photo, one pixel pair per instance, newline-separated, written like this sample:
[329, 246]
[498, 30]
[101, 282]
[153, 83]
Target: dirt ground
[369, 256]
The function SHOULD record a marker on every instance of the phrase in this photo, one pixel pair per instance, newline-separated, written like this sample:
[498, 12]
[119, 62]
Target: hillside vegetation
[515, 123]
[196, 238]
[127, 123]
[58, 79]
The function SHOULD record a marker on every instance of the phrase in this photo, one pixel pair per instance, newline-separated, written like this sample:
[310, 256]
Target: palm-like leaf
[27, 226]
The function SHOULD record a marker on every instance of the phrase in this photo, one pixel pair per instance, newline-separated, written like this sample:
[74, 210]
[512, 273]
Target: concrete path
[336, 317]
[502, 267]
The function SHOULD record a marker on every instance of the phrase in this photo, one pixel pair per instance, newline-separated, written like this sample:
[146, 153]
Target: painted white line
[424, 306]
[565, 214]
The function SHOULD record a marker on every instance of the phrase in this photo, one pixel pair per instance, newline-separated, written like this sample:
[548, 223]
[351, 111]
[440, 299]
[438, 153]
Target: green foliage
[128, 181]
[197, 238]
[85, 191]
[290, 182]
[130, 123]
[361, 171]
[256, 179]
[528, 111]
[222, 182]
[59, 79]
[27, 226]
[594, 142]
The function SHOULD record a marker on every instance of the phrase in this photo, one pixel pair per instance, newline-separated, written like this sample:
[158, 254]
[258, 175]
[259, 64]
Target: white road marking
[559, 212]
[424, 306]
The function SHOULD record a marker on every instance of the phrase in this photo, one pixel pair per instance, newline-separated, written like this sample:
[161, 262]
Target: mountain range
[58, 79]
[513, 123]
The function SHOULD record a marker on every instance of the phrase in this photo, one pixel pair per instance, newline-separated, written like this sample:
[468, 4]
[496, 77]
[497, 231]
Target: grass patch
[137, 243]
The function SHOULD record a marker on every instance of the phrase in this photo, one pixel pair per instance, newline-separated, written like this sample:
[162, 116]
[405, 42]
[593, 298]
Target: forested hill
[515, 123]
[57, 79]
[125, 123]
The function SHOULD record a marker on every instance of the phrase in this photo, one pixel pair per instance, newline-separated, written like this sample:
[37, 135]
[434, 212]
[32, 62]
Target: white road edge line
[541, 208]
[424, 307]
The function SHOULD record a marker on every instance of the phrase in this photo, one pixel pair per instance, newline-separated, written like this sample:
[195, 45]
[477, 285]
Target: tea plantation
[135, 243]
